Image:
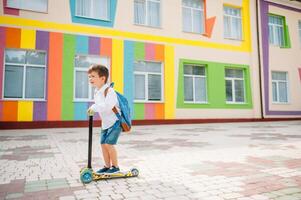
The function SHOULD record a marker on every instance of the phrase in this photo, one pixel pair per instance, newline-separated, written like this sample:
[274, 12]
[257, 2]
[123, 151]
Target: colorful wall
[286, 58]
[125, 43]
[62, 35]
[150, 52]
[61, 49]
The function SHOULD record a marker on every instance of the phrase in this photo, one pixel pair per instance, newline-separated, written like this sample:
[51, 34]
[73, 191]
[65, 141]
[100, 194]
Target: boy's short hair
[100, 70]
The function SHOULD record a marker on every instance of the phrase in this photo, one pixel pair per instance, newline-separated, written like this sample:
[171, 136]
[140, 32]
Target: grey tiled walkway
[203, 161]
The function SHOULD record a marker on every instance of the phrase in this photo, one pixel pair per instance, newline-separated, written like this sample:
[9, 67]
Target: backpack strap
[125, 127]
[114, 109]
[107, 89]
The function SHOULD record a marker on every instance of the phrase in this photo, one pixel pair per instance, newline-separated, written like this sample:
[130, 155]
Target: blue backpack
[125, 116]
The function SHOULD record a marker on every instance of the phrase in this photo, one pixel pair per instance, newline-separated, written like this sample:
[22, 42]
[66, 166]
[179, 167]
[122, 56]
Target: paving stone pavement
[241, 161]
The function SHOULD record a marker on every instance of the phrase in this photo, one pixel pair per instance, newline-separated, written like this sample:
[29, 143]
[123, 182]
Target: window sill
[281, 103]
[147, 26]
[276, 46]
[160, 102]
[285, 47]
[17, 99]
[196, 103]
[83, 101]
[234, 39]
[236, 103]
[90, 18]
[194, 33]
[28, 10]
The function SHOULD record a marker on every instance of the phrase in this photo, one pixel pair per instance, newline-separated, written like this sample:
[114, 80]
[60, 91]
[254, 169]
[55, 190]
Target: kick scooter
[87, 174]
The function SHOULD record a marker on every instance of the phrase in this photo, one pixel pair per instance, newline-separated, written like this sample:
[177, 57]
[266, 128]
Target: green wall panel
[216, 91]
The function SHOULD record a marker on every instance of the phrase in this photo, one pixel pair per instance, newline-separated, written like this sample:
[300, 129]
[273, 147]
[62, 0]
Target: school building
[176, 61]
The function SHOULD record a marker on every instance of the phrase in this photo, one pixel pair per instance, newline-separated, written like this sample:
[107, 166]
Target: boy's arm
[107, 106]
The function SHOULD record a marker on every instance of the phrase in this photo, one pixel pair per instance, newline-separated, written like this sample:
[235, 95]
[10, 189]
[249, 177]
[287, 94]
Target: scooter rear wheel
[135, 172]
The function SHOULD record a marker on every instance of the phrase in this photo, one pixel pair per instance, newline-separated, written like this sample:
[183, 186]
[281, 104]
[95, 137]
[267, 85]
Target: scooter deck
[87, 175]
[127, 174]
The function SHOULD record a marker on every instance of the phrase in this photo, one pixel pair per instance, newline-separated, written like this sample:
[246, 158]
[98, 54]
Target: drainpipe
[259, 59]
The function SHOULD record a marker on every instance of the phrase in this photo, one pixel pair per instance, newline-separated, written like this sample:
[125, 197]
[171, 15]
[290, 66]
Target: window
[235, 89]
[279, 87]
[95, 9]
[276, 30]
[25, 73]
[33, 5]
[232, 23]
[300, 32]
[148, 81]
[84, 91]
[195, 84]
[147, 12]
[193, 16]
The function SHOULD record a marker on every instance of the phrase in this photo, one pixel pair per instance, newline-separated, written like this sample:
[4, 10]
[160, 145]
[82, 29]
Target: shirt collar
[103, 88]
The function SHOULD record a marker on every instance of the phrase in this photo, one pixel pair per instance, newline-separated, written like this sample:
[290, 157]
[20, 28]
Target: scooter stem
[90, 141]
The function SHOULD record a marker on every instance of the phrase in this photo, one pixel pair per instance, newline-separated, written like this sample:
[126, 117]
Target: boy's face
[95, 80]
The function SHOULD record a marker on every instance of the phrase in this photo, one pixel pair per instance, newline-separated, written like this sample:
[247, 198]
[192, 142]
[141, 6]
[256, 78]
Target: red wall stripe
[10, 111]
[55, 56]
[13, 38]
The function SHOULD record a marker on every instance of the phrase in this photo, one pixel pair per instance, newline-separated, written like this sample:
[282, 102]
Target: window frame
[24, 75]
[277, 87]
[146, 15]
[283, 42]
[231, 19]
[192, 20]
[90, 93]
[232, 79]
[146, 82]
[99, 19]
[32, 10]
[193, 84]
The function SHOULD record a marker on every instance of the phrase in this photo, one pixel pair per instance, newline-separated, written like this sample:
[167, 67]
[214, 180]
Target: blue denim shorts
[110, 135]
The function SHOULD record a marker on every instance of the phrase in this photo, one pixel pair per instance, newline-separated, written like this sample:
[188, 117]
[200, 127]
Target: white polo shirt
[103, 105]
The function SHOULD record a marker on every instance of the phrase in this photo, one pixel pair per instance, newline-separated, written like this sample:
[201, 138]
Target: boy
[105, 100]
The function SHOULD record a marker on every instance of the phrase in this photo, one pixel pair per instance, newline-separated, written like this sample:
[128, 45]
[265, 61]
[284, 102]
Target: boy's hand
[90, 112]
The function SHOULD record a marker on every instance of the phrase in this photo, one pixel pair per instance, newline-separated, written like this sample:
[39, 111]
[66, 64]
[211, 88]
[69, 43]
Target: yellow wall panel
[25, 111]
[169, 81]
[246, 45]
[28, 39]
[117, 64]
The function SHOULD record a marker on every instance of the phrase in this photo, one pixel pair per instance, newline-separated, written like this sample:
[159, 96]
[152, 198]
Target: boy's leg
[106, 155]
[112, 154]
[110, 141]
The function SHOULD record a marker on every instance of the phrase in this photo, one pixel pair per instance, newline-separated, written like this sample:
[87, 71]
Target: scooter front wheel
[86, 175]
